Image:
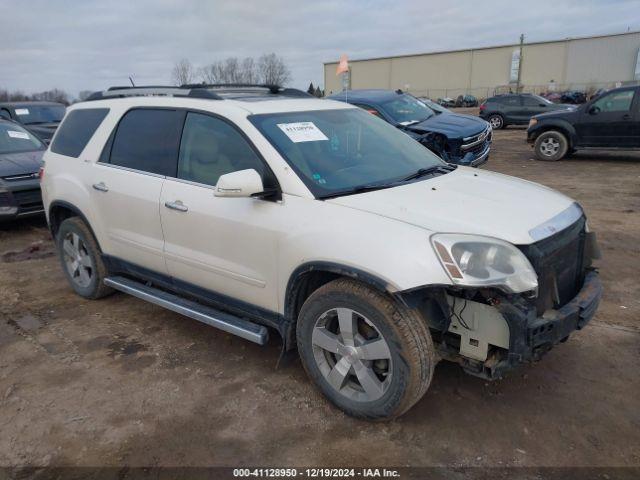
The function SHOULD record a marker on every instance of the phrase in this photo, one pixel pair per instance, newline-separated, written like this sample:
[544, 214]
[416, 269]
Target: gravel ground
[120, 382]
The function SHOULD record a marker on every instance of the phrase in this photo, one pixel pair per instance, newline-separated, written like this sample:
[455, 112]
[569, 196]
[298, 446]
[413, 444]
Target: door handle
[177, 205]
[101, 187]
[626, 116]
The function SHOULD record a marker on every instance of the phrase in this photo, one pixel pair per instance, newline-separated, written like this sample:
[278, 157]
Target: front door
[225, 245]
[609, 121]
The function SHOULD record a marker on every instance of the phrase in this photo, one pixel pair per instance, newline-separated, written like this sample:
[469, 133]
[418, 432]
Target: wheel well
[305, 285]
[555, 128]
[60, 211]
[57, 215]
[307, 278]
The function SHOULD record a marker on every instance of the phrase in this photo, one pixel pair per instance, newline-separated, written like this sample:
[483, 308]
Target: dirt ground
[121, 382]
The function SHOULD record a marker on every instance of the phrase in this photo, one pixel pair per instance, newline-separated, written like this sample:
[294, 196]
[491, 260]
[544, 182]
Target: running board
[205, 314]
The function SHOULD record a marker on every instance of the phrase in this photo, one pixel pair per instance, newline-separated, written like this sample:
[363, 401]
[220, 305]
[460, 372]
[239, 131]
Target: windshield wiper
[423, 172]
[40, 123]
[359, 189]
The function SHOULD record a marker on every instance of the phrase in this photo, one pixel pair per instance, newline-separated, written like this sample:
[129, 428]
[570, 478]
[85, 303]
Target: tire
[391, 352]
[496, 121]
[551, 146]
[81, 259]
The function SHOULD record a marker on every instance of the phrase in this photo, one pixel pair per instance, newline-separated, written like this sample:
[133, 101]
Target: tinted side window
[148, 140]
[211, 147]
[531, 101]
[76, 130]
[510, 101]
[615, 102]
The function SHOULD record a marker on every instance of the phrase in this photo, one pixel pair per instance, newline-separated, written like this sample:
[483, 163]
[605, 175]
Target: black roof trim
[156, 90]
[195, 90]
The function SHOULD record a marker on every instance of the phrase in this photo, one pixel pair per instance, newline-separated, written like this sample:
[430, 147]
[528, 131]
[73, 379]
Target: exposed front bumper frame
[531, 336]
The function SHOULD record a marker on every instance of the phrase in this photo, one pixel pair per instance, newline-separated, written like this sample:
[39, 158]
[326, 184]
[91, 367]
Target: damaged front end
[489, 332]
[470, 151]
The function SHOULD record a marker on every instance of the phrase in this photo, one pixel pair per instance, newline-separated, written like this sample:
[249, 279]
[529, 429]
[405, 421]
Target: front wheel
[496, 121]
[551, 146]
[371, 356]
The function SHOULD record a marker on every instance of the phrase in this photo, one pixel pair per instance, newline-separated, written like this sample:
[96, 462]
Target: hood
[20, 163]
[467, 200]
[452, 125]
[562, 106]
[43, 130]
[569, 112]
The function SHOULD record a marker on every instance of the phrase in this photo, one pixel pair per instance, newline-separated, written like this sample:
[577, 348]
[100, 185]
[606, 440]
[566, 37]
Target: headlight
[532, 122]
[476, 261]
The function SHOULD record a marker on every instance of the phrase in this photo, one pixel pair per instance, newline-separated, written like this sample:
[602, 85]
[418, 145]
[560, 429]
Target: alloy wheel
[352, 354]
[496, 122]
[549, 146]
[77, 260]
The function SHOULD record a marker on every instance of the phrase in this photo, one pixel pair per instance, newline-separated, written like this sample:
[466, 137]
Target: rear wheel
[496, 121]
[551, 146]
[371, 356]
[81, 260]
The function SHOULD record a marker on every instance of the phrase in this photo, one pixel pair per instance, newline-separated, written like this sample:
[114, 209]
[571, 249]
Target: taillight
[482, 107]
[41, 173]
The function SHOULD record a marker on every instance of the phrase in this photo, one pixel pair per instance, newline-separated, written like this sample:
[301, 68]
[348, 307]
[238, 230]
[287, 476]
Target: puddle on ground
[34, 251]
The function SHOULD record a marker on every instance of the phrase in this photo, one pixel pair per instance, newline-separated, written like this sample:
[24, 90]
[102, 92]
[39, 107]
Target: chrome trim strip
[555, 224]
[482, 158]
[260, 337]
[127, 169]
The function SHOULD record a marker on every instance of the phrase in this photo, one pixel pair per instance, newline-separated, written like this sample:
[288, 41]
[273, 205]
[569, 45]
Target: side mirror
[593, 110]
[243, 183]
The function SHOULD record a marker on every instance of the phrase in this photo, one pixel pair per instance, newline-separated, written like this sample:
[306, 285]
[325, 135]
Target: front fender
[394, 255]
[552, 124]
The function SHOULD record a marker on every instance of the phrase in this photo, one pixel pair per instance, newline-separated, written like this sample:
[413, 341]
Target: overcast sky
[92, 44]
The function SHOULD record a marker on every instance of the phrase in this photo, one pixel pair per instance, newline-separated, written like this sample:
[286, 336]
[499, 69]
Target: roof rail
[273, 89]
[144, 91]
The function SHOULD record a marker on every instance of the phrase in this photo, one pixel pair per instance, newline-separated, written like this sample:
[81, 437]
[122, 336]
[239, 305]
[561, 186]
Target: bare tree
[249, 71]
[273, 70]
[230, 70]
[183, 72]
[53, 95]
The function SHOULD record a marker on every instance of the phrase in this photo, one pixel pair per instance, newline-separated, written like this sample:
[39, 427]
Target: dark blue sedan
[459, 139]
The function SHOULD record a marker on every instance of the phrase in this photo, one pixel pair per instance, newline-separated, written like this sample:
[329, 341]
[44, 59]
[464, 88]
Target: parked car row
[40, 118]
[575, 97]
[20, 159]
[257, 209]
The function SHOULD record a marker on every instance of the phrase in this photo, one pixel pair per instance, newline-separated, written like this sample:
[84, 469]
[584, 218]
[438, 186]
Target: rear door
[610, 121]
[224, 245]
[511, 107]
[532, 105]
[127, 181]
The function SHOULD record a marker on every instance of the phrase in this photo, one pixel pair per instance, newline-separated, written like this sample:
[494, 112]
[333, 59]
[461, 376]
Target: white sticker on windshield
[14, 134]
[302, 132]
[22, 111]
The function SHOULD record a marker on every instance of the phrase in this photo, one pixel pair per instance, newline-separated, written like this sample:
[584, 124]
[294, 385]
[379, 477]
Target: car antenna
[131, 80]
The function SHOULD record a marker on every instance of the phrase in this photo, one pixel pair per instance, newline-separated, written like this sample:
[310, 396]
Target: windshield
[32, 114]
[337, 152]
[407, 109]
[435, 107]
[14, 139]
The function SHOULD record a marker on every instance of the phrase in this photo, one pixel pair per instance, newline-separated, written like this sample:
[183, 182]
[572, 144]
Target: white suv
[256, 209]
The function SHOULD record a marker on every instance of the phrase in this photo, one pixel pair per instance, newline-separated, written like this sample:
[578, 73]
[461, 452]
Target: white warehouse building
[585, 63]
